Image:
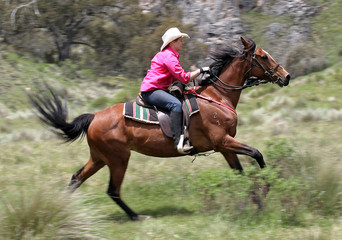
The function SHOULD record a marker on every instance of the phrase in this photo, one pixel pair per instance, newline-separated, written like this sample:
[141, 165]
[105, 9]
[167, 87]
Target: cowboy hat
[170, 35]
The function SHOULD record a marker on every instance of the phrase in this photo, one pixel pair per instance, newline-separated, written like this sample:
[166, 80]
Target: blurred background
[97, 52]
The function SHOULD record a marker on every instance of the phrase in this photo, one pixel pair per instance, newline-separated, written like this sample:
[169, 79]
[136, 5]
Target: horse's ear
[245, 42]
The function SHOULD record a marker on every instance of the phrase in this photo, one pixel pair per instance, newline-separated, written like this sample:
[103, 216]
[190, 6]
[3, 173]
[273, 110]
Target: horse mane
[224, 57]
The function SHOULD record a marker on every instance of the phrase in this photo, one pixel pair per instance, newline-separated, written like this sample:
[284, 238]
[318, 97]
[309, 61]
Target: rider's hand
[205, 70]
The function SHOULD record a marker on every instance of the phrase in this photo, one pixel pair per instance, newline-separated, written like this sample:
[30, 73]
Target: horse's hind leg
[117, 166]
[84, 173]
[235, 146]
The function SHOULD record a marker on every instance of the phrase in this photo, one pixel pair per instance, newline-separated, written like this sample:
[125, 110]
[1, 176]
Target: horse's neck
[234, 76]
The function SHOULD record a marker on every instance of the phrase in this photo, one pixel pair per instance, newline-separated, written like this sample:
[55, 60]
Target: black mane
[225, 56]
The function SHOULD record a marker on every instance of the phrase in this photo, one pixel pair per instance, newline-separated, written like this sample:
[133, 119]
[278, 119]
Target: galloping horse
[111, 136]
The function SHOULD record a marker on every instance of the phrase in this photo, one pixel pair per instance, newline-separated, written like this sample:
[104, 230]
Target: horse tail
[53, 112]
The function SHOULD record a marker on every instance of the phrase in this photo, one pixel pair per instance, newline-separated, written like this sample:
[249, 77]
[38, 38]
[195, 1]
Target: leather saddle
[164, 116]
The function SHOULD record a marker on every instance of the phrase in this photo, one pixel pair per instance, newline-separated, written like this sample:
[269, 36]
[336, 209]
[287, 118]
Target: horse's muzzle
[287, 80]
[284, 82]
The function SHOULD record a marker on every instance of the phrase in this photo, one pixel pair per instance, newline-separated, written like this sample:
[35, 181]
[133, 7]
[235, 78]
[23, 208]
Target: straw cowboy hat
[170, 35]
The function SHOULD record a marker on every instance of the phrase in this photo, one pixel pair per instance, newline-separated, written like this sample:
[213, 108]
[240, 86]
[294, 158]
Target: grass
[168, 192]
[44, 211]
[199, 200]
[327, 31]
[172, 192]
[297, 128]
[82, 88]
[187, 200]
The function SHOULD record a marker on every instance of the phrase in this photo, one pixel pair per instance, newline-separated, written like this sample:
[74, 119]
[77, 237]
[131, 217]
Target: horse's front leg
[232, 160]
[231, 146]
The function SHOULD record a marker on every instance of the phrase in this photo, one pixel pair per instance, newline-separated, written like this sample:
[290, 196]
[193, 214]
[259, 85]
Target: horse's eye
[264, 57]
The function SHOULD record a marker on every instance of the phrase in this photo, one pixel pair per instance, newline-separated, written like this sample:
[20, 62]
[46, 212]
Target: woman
[165, 69]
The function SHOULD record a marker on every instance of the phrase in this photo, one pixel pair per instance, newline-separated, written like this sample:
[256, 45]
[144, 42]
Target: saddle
[164, 117]
[144, 112]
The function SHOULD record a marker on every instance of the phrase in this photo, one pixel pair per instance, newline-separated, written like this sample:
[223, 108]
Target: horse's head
[263, 66]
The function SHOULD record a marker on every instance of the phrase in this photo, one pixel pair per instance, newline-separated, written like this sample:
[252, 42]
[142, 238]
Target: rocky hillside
[222, 21]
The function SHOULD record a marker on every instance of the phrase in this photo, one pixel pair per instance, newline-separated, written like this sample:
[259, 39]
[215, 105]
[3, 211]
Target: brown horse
[111, 136]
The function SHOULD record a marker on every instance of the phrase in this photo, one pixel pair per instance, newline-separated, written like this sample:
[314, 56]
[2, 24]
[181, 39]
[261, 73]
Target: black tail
[53, 112]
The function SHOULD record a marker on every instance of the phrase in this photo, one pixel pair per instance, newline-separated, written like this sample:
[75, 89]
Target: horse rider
[166, 69]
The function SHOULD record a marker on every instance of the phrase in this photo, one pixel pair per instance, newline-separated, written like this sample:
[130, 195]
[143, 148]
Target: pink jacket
[165, 69]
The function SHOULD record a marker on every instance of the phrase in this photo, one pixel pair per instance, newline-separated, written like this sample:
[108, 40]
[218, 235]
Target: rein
[193, 91]
[251, 80]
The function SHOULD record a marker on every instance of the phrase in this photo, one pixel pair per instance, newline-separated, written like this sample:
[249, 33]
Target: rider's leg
[163, 100]
[176, 121]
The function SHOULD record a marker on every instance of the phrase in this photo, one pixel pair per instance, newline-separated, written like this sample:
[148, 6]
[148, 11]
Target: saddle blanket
[148, 115]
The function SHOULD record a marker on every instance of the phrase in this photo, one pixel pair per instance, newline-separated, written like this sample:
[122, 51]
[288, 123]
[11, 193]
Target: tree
[64, 19]
[142, 48]
[119, 38]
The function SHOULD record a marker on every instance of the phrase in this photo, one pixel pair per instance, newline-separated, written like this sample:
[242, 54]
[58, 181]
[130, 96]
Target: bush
[280, 155]
[100, 102]
[305, 58]
[317, 114]
[317, 180]
[245, 197]
[43, 212]
[222, 189]
[299, 184]
[337, 76]
[323, 182]
[127, 94]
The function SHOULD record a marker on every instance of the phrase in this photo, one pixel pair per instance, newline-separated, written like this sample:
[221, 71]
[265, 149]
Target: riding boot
[176, 127]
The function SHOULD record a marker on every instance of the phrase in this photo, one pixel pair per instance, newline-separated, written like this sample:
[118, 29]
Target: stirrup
[183, 148]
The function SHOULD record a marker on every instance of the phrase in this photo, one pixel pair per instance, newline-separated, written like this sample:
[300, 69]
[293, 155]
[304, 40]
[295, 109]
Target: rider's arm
[199, 71]
[195, 74]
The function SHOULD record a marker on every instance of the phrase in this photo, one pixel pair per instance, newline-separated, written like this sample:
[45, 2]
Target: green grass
[199, 200]
[327, 31]
[187, 200]
[44, 211]
[297, 128]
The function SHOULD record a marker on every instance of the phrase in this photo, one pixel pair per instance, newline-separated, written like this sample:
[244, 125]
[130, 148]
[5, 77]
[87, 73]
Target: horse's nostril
[287, 80]
[288, 77]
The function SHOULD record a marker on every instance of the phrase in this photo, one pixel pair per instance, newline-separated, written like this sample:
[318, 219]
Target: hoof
[141, 218]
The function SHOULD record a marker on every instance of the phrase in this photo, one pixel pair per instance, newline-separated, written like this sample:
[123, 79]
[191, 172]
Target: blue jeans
[163, 100]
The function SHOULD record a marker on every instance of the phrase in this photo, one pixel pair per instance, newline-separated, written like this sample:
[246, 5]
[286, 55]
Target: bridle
[250, 80]
[268, 73]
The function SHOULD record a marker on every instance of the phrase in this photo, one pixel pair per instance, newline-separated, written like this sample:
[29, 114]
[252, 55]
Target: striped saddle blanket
[149, 115]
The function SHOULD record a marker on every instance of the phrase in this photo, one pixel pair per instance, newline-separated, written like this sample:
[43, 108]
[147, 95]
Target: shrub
[323, 182]
[304, 59]
[264, 90]
[45, 213]
[244, 198]
[222, 189]
[318, 114]
[317, 180]
[100, 102]
[337, 76]
[127, 94]
[280, 155]
[257, 117]
[279, 102]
